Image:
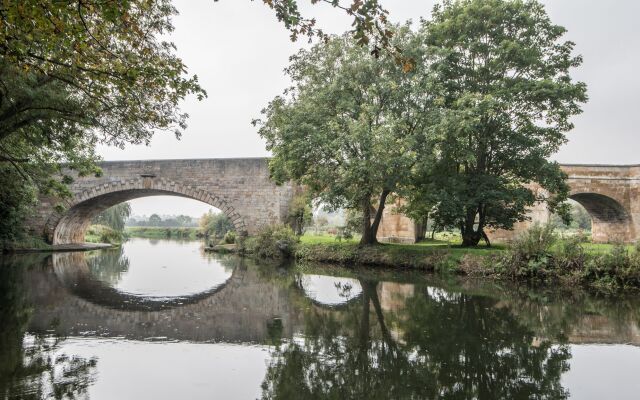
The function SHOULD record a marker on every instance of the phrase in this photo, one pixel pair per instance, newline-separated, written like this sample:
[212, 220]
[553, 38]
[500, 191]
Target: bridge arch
[610, 220]
[70, 225]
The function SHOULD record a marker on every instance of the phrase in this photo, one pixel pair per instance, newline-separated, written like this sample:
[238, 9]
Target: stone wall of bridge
[241, 188]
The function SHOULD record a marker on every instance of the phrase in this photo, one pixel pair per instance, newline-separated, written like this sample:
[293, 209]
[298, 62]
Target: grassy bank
[538, 257]
[27, 243]
[428, 255]
[153, 232]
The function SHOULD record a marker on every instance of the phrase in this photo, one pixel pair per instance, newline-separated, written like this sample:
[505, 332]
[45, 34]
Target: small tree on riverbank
[351, 127]
[502, 70]
[114, 217]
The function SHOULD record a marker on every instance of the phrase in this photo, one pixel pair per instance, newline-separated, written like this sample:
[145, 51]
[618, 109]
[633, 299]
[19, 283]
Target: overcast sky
[238, 50]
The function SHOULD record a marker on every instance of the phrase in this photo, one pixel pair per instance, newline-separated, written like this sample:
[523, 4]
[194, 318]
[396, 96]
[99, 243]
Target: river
[161, 319]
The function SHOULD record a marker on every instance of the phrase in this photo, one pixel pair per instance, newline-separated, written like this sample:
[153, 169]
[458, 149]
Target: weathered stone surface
[610, 193]
[397, 227]
[239, 187]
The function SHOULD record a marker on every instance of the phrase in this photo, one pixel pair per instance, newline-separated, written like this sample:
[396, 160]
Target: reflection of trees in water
[447, 346]
[228, 261]
[108, 265]
[31, 367]
[577, 315]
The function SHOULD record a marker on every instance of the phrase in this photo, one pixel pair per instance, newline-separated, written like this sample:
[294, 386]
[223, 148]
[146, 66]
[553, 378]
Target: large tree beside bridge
[503, 75]
[459, 134]
[352, 126]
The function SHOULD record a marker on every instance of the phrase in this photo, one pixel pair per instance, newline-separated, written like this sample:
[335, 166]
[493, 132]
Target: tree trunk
[485, 237]
[370, 229]
[470, 237]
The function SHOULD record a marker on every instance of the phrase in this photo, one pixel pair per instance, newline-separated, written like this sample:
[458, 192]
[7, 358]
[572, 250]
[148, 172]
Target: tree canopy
[74, 74]
[503, 76]
[215, 224]
[77, 73]
[351, 126]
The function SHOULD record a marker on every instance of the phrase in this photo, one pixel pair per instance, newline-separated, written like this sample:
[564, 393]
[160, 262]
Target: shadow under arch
[72, 271]
[611, 222]
[70, 225]
[304, 288]
[601, 207]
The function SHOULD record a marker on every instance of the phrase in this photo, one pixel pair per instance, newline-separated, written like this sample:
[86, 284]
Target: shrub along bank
[103, 234]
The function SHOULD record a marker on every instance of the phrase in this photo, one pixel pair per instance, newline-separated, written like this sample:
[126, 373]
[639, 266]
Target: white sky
[239, 50]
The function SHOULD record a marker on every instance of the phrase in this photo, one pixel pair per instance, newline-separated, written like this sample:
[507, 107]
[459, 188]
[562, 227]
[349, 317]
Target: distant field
[161, 232]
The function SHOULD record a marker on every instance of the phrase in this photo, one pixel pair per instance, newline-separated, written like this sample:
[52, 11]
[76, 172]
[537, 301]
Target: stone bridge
[610, 193]
[239, 187]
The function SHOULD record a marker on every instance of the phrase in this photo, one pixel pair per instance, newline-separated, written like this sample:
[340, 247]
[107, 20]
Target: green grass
[443, 243]
[601, 248]
[444, 249]
[311, 238]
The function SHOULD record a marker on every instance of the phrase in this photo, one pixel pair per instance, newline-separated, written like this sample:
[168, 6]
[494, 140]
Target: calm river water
[161, 319]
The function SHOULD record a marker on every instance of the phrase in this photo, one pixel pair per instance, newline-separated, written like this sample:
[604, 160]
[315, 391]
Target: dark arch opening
[602, 208]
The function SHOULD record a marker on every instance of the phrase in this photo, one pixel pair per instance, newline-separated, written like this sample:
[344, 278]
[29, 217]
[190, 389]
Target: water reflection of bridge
[238, 311]
[245, 307]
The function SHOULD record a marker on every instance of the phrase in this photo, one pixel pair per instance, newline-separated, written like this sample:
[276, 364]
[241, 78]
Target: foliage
[530, 254]
[502, 71]
[155, 220]
[274, 241]
[183, 221]
[618, 269]
[370, 27]
[154, 232]
[215, 224]
[114, 217]
[353, 221]
[230, 237]
[104, 234]
[350, 128]
[16, 200]
[75, 74]
[300, 213]
[122, 78]
[580, 219]
[569, 255]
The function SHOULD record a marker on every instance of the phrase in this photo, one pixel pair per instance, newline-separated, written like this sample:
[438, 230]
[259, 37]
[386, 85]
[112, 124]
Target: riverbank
[540, 257]
[37, 245]
[429, 256]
